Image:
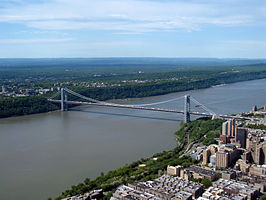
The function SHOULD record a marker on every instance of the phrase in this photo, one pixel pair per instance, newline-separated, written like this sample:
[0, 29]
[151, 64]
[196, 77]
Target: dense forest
[202, 130]
[25, 105]
[167, 86]
[154, 168]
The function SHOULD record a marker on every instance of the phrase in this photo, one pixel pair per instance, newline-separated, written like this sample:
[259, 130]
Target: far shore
[130, 99]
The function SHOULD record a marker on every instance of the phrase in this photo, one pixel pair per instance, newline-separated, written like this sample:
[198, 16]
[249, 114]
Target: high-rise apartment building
[228, 128]
[226, 155]
[231, 127]
[222, 159]
[206, 156]
[257, 147]
[240, 137]
[225, 128]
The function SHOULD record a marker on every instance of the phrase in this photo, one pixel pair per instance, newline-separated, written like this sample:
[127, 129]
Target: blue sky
[133, 28]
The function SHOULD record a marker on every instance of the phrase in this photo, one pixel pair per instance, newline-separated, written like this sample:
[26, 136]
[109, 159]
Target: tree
[87, 181]
[206, 182]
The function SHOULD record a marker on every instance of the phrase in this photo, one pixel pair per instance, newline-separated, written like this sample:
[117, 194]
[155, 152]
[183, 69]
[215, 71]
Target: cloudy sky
[133, 28]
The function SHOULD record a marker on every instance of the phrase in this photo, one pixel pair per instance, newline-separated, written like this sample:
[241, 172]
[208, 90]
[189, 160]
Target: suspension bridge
[64, 93]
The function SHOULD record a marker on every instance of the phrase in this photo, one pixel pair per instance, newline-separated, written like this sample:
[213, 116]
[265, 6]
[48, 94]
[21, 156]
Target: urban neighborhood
[235, 168]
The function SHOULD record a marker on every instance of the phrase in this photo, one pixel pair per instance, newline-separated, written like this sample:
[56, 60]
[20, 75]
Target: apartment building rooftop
[200, 170]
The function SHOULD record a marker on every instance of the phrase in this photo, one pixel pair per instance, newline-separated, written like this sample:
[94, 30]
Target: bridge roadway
[148, 108]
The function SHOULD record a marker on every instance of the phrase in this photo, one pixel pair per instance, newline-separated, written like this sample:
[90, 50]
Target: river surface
[42, 155]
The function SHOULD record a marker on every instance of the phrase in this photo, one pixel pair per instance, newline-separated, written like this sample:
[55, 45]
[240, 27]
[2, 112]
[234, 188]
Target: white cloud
[132, 15]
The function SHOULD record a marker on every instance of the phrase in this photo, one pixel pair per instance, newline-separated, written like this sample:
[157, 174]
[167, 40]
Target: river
[42, 155]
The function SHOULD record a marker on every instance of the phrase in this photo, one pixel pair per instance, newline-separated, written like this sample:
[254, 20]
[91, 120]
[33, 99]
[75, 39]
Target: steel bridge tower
[187, 109]
[64, 97]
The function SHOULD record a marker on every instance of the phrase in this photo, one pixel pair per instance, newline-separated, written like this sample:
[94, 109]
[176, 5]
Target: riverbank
[150, 168]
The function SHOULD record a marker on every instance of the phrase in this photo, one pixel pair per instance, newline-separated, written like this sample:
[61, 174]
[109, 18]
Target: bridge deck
[144, 108]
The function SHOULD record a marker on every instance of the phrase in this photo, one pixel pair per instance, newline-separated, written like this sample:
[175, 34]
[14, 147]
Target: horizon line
[130, 57]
